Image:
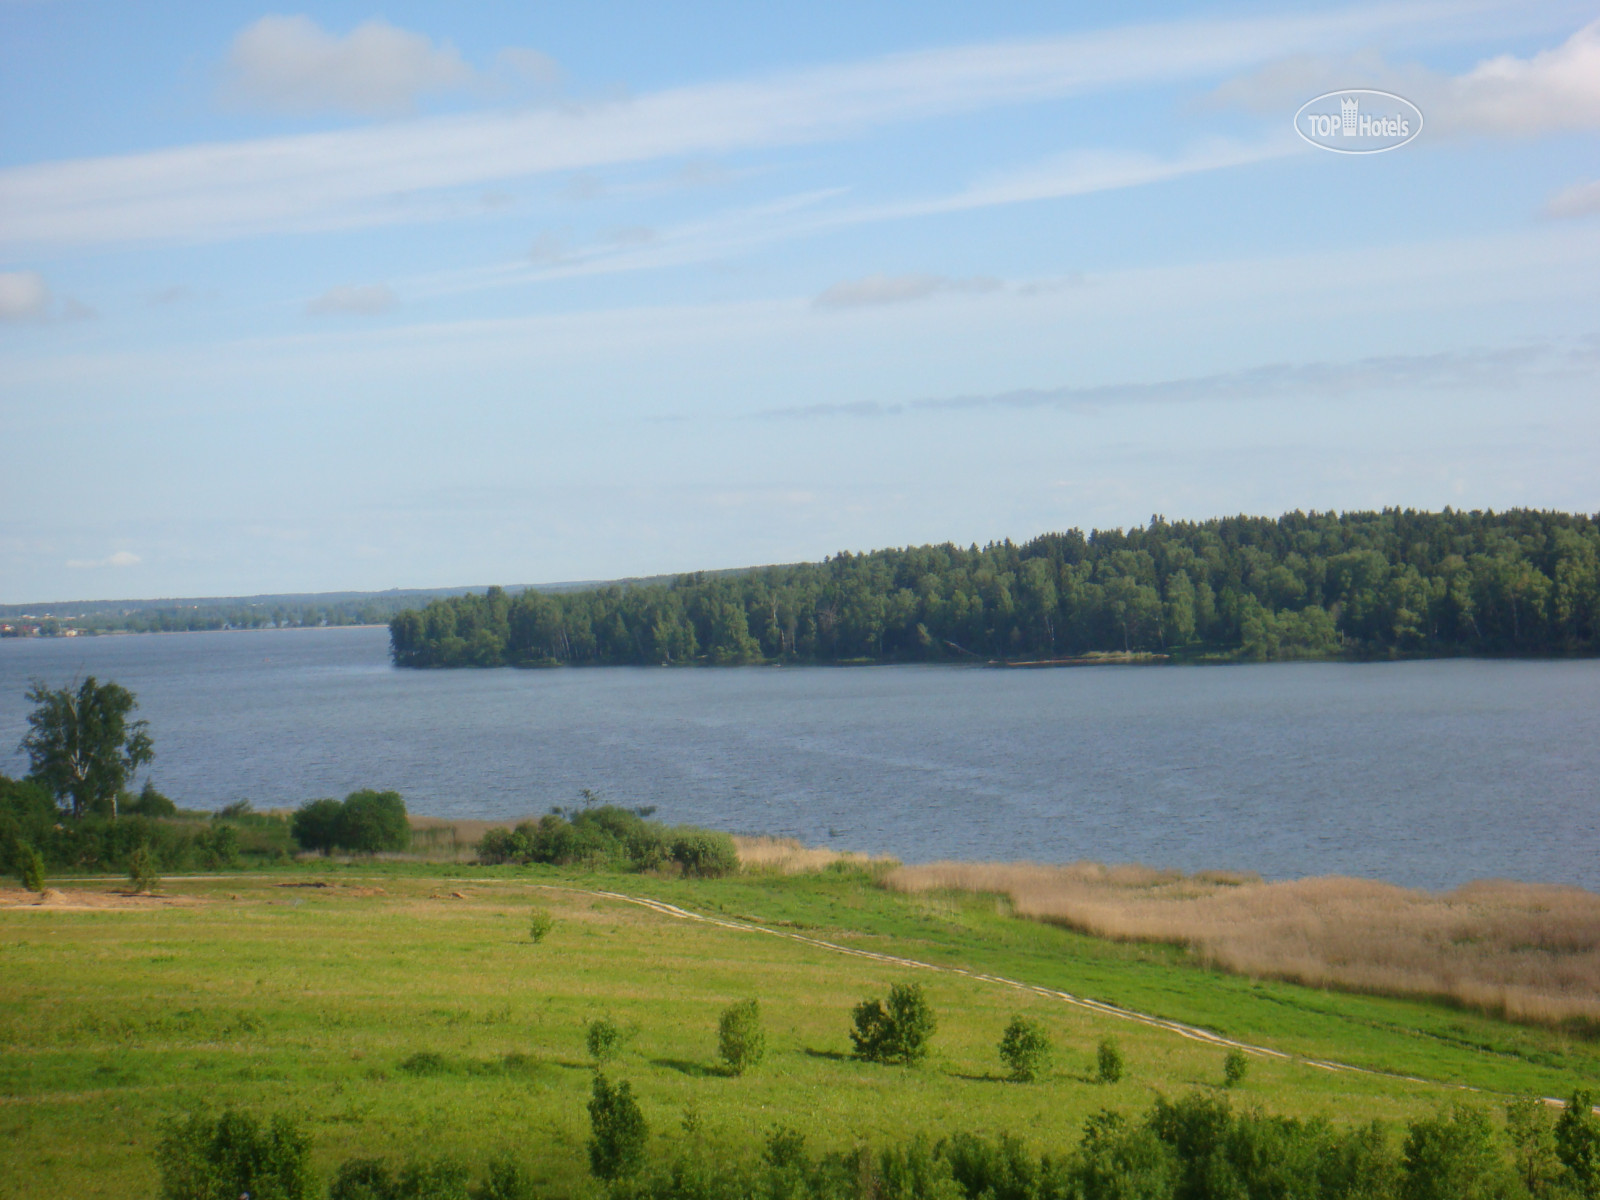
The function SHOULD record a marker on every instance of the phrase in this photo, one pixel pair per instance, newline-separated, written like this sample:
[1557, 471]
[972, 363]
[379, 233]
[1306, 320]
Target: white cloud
[1577, 201]
[122, 558]
[897, 289]
[366, 299]
[24, 296]
[292, 64]
[351, 178]
[1553, 90]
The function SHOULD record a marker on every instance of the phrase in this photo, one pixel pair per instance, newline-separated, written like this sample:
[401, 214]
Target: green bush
[142, 873]
[1234, 1067]
[365, 822]
[540, 923]
[618, 1131]
[1577, 1138]
[1108, 1061]
[315, 825]
[604, 1039]
[1453, 1156]
[362, 1179]
[424, 1062]
[704, 854]
[740, 1040]
[148, 803]
[898, 1033]
[1025, 1050]
[506, 1179]
[29, 867]
[201, 1158]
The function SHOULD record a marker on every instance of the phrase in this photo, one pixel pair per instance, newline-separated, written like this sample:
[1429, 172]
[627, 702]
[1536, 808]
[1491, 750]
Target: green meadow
[398, 1011]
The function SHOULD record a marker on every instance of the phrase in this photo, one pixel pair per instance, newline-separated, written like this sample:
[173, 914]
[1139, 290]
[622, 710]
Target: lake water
[1423, 773]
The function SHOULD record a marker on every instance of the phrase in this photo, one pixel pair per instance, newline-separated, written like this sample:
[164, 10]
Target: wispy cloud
[350, 178]
[898, 289]
[1579, 200]
[1507, 96]
[1503, 369]
[24, 296]
[363, 300]
[122, 558]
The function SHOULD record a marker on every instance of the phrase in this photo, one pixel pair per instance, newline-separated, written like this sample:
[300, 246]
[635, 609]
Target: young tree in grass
[81, 745]
[604, 1038]
[1234, 1067]
[142, 873]
[1108, 1061]
[1025, 1050]
[618, 1131]
[740, 1039]
[896, 1033]
[201, 1158]
[540, 924]
[30, 867]
[1577, 1136]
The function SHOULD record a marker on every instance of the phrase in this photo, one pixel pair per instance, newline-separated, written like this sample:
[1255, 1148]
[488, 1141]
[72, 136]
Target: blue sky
[343, 297]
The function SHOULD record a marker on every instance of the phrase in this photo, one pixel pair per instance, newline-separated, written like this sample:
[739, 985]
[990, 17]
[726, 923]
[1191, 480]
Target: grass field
[266, 992]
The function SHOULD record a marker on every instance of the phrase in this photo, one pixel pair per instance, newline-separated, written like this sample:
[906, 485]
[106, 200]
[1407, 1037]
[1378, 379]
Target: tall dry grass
[789, 856]
[1525, 952]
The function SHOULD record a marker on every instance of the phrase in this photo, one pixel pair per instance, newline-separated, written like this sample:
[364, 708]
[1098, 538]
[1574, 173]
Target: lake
[1422, 773]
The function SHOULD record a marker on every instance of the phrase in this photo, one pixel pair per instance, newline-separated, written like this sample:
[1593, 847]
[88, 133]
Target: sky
[342, 297]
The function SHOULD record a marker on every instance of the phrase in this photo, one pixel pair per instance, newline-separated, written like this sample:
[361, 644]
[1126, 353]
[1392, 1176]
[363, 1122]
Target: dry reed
[1525, 952]
[788, 856]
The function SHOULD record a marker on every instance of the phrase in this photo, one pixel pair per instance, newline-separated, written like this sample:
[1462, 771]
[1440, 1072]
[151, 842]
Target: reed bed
[789, 856]
[1525, 952]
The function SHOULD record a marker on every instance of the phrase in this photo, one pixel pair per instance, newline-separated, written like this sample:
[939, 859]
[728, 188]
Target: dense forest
[1306, 585]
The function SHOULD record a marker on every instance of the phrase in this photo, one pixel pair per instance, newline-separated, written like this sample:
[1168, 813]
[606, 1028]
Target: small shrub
[898, 1033]
[142, 872]
[1025, 1050]
[740, 1040]
[604, 1038]
[506, 1179]
[425, 1062]
[432, 1179]
[704, 854]
[204, 1159]
[362, 1179]
[618, 1131]
[30, 868]
[1108, 1061]
[540, 923]
[148, 803]
[1234, 1067]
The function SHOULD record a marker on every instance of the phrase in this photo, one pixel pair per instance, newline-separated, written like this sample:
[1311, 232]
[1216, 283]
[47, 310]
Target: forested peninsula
[1395, 583]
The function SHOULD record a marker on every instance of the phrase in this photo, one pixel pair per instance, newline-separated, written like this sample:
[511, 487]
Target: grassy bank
[398, 1011]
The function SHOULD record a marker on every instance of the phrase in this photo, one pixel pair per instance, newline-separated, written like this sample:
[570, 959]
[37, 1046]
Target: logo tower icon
[1349, 106]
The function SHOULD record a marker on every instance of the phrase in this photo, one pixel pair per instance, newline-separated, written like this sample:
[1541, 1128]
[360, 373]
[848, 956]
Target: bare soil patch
[81, 900]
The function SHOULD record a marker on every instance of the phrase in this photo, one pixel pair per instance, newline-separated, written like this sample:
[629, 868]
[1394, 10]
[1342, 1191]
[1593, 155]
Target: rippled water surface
[1428, 773]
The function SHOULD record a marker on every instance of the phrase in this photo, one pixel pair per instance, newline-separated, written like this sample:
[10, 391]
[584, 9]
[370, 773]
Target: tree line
[1305, 585]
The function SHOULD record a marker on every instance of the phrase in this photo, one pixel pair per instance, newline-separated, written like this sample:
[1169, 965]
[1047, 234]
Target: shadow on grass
[693, 1069]
[830, 1055]
[986, 1077]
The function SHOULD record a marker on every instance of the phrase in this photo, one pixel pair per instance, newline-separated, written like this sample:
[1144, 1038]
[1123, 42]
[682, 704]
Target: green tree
[1234, 1067]
[604, 1039]
[201, 1158]
[1108, 1061]
[1453, 1157]
[1531, 1130]
[1577, 1136]
[315, 825]
[540, 923]
[617, 1131]
[81, 745]
[30, 867]
[896, 1033]
[142, 872]
[373, 821]
[1025, 1050]
[740, 1040]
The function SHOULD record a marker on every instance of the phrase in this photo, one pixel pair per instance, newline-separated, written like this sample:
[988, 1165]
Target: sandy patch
[78, 900]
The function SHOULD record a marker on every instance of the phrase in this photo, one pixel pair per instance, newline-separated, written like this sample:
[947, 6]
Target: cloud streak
[352, 178]
[362, 300]
[898, 289]
[1502, 368]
